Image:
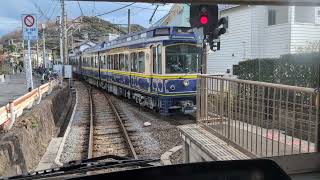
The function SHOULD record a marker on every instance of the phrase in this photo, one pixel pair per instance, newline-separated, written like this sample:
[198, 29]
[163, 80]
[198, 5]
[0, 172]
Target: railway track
[97, 129]
[107, 132]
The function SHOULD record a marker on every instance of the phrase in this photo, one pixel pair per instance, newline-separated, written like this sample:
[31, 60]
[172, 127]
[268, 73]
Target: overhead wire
[53, 11]
[102, 14]
[139, 7]
[80, 8]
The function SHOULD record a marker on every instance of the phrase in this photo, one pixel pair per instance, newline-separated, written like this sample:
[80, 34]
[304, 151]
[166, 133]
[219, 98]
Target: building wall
[182, 18]
[235, 44]
[303, 34]
[276, 41]
[249, 36]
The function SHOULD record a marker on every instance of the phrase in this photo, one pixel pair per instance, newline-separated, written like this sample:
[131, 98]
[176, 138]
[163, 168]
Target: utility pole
[37, 61]
[28, 68]
[65, 39]
[44, 47]
[62, 33]
[129, 25]
[61, 42]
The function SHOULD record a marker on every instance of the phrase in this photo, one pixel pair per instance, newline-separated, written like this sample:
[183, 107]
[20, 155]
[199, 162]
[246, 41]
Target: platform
[48, 159]
[201, 145]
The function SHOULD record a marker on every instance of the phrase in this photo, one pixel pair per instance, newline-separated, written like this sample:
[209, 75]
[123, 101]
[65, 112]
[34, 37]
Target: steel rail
[90, 147]
[121, 124]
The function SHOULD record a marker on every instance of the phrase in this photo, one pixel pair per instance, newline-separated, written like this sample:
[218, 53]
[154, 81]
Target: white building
[262, 32]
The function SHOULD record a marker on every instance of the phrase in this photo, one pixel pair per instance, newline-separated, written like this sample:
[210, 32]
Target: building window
[271, 17]
[305, 14]
[227, 24]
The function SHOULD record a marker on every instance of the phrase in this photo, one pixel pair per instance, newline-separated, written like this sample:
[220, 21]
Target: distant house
[261, 32]
[80, 47]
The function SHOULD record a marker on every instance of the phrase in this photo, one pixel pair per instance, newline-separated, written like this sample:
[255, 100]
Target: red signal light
[204, 19]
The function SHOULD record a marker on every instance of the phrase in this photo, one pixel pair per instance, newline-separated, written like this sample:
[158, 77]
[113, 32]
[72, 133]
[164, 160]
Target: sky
[11, 11]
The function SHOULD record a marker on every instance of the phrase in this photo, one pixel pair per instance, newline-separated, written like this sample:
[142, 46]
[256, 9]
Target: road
[14, 87]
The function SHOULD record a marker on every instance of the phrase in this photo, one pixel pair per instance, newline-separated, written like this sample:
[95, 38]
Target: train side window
[141, 60]
[126, 62]
[111, 62]
[95, 61]
[159, 59]
[108, 62]
[133, 59]
[116, 62]
[121, 58]
[92, 63]
[154, 60]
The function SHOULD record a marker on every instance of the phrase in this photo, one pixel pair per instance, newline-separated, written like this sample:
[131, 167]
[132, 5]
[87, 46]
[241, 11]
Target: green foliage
[296, 70]
[11, 48]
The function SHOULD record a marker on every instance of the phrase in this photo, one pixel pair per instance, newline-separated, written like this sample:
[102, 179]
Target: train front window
[182, 58]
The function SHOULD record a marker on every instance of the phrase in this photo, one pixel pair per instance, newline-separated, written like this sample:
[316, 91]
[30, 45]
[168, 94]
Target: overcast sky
[11, 10]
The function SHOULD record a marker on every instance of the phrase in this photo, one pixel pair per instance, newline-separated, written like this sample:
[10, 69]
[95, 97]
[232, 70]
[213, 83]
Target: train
[157, 68]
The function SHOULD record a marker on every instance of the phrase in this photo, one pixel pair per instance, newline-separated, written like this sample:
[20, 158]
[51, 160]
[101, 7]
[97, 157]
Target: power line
[115, 10]
[139, 7]
[80, 8]
[39, 9]
[54, 9]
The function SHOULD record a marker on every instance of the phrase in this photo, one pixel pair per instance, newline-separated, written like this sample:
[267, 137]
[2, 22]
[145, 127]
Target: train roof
[146, 36]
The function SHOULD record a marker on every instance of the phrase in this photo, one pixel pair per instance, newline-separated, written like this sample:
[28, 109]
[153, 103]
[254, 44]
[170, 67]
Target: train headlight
[186, 83]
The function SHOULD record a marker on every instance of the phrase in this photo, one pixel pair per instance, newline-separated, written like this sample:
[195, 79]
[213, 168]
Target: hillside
[96, 29]
[81, 28]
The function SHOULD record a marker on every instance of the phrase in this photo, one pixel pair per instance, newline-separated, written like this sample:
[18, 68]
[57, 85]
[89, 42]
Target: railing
[262, 118]
[14, 109]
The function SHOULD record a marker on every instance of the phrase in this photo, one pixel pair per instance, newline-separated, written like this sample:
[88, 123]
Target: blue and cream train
[157, 68]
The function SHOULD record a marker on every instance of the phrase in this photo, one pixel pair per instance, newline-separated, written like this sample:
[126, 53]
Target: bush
[296, 70]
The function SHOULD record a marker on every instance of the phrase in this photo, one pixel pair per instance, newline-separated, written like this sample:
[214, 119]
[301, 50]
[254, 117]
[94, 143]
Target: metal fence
[262, 118]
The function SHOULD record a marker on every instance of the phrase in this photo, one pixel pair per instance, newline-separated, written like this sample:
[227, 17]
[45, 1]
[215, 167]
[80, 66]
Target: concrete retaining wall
[22, 147]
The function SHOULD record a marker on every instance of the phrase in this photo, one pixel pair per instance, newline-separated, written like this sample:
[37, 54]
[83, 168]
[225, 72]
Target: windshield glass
[182, 58]
[178, 80]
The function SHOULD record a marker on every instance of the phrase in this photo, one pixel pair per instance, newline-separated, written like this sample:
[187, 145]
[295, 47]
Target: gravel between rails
[107, 136]
[161, 136]
[76, 143]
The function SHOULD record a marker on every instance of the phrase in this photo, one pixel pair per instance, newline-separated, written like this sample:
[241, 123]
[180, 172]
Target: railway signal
[207, 17]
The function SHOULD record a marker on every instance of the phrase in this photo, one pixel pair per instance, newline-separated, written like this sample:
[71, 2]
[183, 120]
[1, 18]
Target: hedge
[294, 69]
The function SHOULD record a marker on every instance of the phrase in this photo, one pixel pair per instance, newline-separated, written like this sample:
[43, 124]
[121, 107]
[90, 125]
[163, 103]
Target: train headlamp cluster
[186, 82]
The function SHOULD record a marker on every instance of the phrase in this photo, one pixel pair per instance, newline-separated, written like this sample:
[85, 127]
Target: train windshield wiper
[85, 166]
